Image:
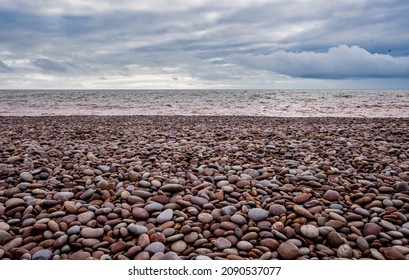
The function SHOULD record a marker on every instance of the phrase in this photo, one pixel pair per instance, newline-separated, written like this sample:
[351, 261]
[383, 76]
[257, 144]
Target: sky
[186, 44]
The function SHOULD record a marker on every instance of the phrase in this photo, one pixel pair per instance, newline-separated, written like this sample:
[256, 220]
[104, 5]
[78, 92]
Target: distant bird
[389, 50]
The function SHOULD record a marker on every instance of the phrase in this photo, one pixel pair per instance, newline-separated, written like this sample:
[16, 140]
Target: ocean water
[276, 103]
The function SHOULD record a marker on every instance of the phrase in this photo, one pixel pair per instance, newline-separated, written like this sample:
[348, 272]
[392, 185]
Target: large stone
[80, 255]
[331, 195]
[140, 214]
[205, 218]
[257, 214]
[302, 211]
[200, 201]
[85, 217]
[244, 245]
[222, 243]
[137, 229]
[92, 232]
[277, 209]
[310, 231]
[334, 239]
[392, 253]
[26, 176]
[155, 247]
[288, 251]
[344, 251]
[173, 188]
[165, 216]
[42, 254]
[401, 186]
[371, 229]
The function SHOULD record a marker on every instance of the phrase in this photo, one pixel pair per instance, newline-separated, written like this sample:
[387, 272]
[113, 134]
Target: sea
[274, 103]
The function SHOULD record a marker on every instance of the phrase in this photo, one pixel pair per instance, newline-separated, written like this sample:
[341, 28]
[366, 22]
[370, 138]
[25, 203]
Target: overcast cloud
[197, 44]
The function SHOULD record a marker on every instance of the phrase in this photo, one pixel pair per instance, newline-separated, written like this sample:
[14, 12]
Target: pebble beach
[203, 187]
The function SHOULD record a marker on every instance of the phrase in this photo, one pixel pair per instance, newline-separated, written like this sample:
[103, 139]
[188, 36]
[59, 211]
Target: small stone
[4, 226]
[288, 250]
[371, 229]
[331, 195]
[179, 246]
[140, 214]
[310, 231]
[270, 243]
[172, 188]
[137, 229]
[244, 245]
[362, 244]
[153, 207]
[334, 239]
[63, 195]
[392, 253]
[258, 214]
[222, 243]
[301, 198]
[302, 211]
[205, 218]
[92, 232]
[155, 247]
[200, 201]
[80, 255]
[238, 219]
[26, 176]
[230, 209]
[344, 251]
[165, 216]
[143, 240]
[42, 254]
[277, 210]
[401, 186]
[85, 217]
[102, 184]
[203, 258]
[118, 247]
[170, 256]
[14, 202]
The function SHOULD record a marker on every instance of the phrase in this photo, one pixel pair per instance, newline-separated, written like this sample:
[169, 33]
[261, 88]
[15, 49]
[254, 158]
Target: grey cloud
[340, 62]
[49, 65]
[4, 68]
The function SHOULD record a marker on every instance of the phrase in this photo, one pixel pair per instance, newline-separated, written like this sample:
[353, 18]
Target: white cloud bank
[339, 62]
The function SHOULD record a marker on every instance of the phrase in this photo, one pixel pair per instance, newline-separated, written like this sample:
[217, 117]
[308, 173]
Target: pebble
[222, 243]
[310, 231]
[244, 245]
[137, 229]
[80, 255]
[140, 214]
[205, 218]
[43, 254]
[302, 211]
[371, 229]
[277, 210]
[92, 232]
[165, 216]
[155, 247]
[26, 176]
[344, 251]
[170, 194]
[238, 219]
[257, 214]
[288, 250]
[392, 253]
[331, 195]
[179, 246]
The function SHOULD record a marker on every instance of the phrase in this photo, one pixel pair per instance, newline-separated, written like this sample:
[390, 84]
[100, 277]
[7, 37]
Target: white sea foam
[277, 103]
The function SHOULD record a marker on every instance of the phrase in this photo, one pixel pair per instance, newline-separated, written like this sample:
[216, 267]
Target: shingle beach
[193, 187]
